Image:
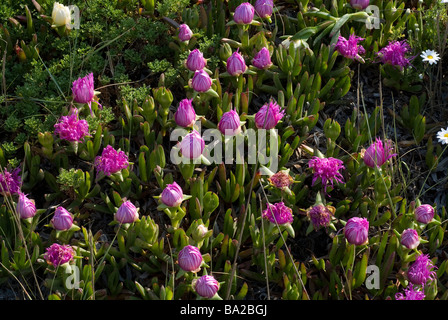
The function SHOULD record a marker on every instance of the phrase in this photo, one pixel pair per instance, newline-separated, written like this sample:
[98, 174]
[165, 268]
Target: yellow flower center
[445, 135]
[430, 57]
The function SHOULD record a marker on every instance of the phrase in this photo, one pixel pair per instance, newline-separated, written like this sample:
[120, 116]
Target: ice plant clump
[421, 271]
[83, 90]
[201, 81]
[424, 213]
[26, 208]
[62, 219]
[230, 124]
[281, 180]
[394, 54]
[327, 169]
[410, 238]
[57, 254]
[378, 153]
[410, 294]
[10, 182]
[264, 8]
[350, 48]
[262, 59]
[356, 231]
[70, 128]
[359, 4]
[236, 64]
[172, 195]
[244, 13]
[185, 32]
[60, 15]
[206, 286]
[185, 115]
[111, 161]
[195, 60]
[268, 116]
[278, 213]
[190, 259]
[320, 216]
[192, 145]
[127, 213]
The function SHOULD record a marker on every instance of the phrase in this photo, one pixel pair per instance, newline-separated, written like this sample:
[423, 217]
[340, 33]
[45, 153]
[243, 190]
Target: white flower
[61, 15]
[431, 56]
[442, 135]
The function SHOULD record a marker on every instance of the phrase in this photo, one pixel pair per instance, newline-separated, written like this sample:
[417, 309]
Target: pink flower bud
[185, 115]
[195, 60]
[357, 231]
[268, 116]
[25, 207]
[264, 8]
[359, 4]
[410, 239]
[262, 59]
[378, 153]
[230, 123]
[127, 213]
[201, 81]
[172, 195]
[206, 286]
[424, 213]
[236, 64]
[62, 219]
[244, 13]
[192, 145]
[83, 89]
[190, 259]
[185, 32]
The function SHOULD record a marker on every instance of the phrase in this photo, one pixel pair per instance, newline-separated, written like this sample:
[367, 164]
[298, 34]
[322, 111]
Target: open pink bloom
[410, 294]
[244, 13]
[421, 270]
[236, 64]
[410, 238]
[126, 213]
[378, 153]
[185, 32]
[190, 259]
[281, 180]
[264, 8]
[70, 128]
[206, 286]
[83, 90]
[262, 59]
[172, 195]
[327, 169]
[394, 54]
[185, 115]
[320, 216]
[230, 124]
[356, 231]
[201, 81]
[359, 4]
[111, 161]
[10, 182]
[62, 219]
[192, 145]
[268, 116]
[195, 60]
[350, 48]
[424, 213]
[26, 208]
[278, 213]
[57, 254]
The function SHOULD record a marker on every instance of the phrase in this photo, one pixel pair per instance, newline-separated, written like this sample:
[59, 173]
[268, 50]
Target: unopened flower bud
[201, 81]
[262, 59]
[236, 64]
[185, 32]
[244, 13]
[127, 213]
[62, 219]
[230, 124]
[424, 213]
[357, 231]
[172, 195]
[25, 207]
[196, 61]
[190, 259]
[61, 15]
[192, 145]
[185, 115]
[410, 239]
[206, 286]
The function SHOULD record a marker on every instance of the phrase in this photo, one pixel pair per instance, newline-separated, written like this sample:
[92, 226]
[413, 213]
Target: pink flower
[410, 239]
[320, 216]
[201, 81]
[58, 254]
[236, 64]
[206, 286]
[410, 294]
[262, 59]
[281, 180]
[278, 213]
[62, 219]
[378, 153]
[359, 4]
[127, 213]
[190, 259]
[185, 115]
[327, 169]
[195, 60]
[26, 208]
[70, 128]
[424, 213]
[111, 161]
[268, 116]
[10, 182]
[394, 54]
[192, 145]
[230, 124]
[185, 32]
[172, 195]
[264, 8]
[356, 231]
[83, 90]
[244, 13]
[350, 48]
[421, 270]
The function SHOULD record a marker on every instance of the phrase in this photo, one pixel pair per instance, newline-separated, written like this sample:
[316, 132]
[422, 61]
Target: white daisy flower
[442, 135]
[431, 56]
